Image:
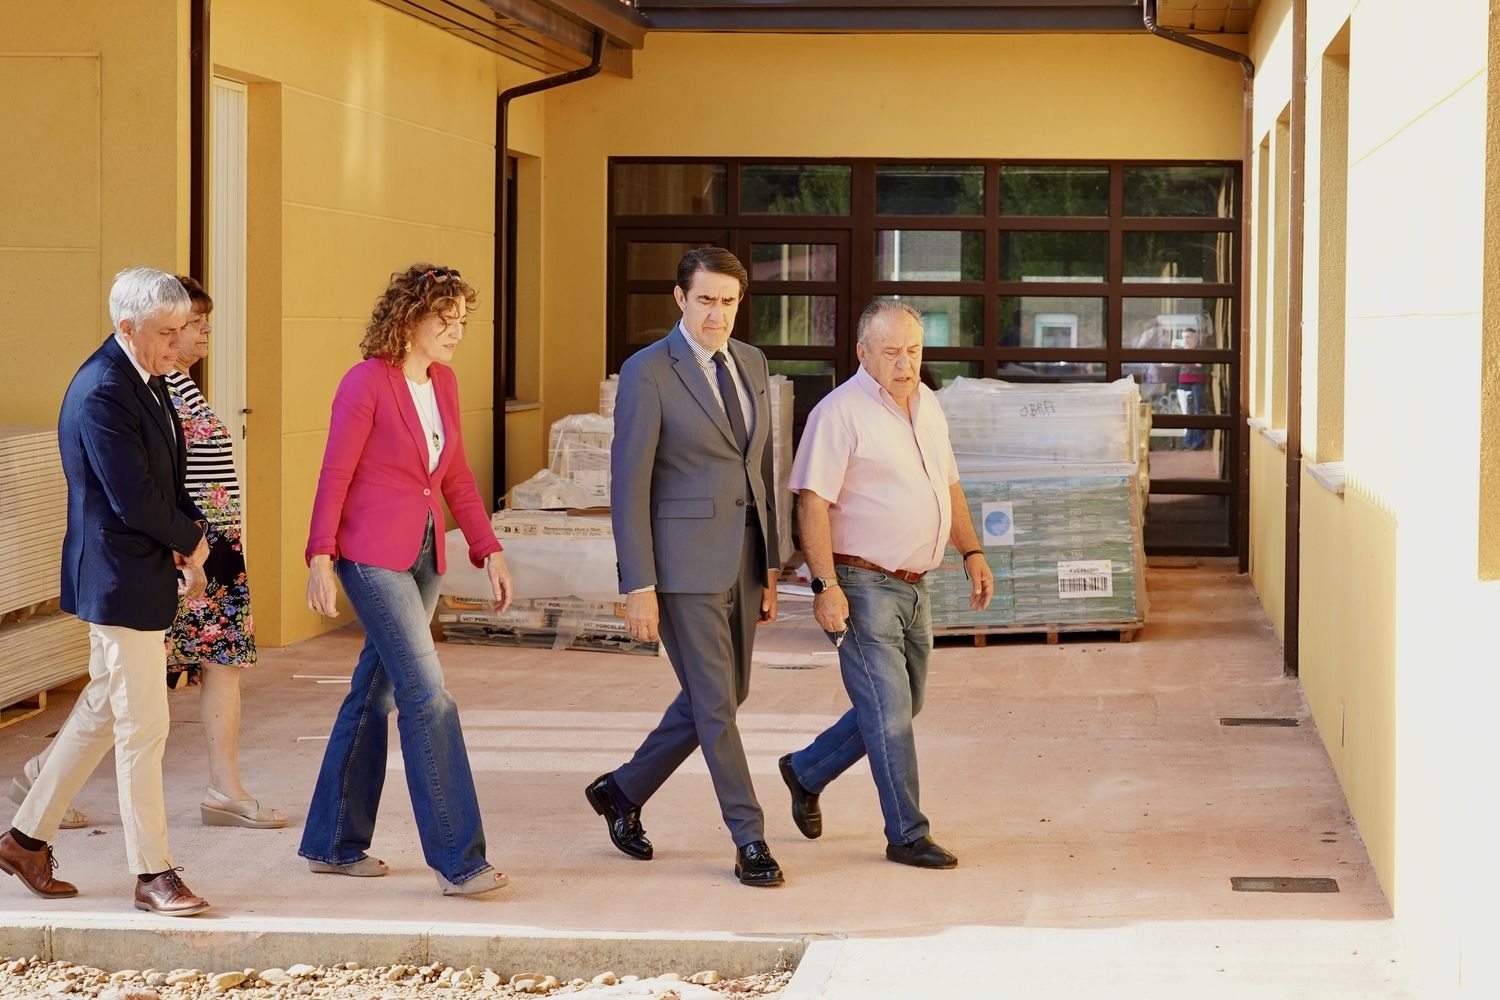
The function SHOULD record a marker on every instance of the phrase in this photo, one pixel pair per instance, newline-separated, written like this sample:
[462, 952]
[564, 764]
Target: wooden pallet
[23, 709]
[1124, 631]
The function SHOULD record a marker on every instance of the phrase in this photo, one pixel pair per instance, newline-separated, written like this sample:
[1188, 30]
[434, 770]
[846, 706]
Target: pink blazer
[374, 493]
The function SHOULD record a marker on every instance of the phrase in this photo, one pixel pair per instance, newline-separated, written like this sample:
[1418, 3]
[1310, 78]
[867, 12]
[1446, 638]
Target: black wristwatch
[820, 583]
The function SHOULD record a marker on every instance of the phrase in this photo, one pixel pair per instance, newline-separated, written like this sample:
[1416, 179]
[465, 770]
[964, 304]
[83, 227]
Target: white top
[425, 398]
[886, 477]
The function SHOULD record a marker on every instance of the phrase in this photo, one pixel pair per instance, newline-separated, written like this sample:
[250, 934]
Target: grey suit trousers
[709, 639]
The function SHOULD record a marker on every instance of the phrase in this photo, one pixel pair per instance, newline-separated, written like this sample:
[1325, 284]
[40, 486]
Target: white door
[226, 279]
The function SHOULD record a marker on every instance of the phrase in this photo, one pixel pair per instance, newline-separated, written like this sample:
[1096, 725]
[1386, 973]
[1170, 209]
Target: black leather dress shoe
[921, 853]
[624, 824]
[805, 811]
[753, 865]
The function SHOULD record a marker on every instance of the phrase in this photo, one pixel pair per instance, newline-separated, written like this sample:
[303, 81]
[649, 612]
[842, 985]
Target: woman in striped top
[215, 634]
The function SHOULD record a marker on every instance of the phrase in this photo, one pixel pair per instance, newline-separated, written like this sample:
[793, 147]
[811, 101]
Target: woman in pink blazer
[395, 446]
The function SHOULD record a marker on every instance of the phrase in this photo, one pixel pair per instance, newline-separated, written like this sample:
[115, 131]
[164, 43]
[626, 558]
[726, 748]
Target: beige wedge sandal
[239, 812]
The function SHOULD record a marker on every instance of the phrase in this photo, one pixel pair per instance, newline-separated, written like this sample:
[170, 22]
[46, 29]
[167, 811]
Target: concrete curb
[111, 942]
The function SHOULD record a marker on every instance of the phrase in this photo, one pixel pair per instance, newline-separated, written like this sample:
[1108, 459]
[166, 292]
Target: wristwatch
[821, 583]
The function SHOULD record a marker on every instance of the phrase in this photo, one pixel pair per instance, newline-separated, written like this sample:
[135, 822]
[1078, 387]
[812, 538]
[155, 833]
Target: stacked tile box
[1056, 488]
[578, 450]
[567, 591]
[40, 647]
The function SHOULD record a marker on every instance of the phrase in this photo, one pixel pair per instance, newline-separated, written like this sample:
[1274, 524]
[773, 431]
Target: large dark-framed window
[1026, 270]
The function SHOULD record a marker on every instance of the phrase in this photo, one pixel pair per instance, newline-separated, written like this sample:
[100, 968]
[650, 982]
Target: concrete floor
[1097, 806]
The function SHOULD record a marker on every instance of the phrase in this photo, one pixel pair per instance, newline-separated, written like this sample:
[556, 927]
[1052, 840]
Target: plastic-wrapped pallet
[989, 420]
[541, 623]
[33, 507]
[608, 389]
[566, 588]
[578, 449]
[781, 460]
[1064, 543]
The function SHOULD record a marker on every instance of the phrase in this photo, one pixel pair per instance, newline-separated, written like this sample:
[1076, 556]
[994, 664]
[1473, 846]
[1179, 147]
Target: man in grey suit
[693, 504]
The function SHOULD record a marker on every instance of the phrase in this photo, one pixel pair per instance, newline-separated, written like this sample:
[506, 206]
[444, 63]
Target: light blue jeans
[884, 662]
[399, 669]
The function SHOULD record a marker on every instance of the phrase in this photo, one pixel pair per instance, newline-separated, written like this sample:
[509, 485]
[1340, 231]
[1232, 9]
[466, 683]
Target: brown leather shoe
[33, 868]
[168, 895]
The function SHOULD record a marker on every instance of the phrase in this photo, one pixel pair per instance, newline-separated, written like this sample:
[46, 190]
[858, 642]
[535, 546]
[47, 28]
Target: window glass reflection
[949, 320]
[922, 189]
[1051, 321]
[937, 374]
[793, 320]
[929, 255]
[1176, 324]
[1189, 453]
[1027, 189]
[1053, 256]
[1179, 389]
[794, 261]
[650, 317]
[1203, 192]
[1178, 258]
[1052, 371]
[794, 189]
[669, 188]
[656, 260]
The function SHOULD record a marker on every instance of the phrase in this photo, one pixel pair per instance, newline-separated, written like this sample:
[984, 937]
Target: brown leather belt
[900, 574]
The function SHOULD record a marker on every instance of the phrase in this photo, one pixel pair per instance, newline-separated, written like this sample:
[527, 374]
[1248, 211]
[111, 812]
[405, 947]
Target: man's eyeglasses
[439, 274]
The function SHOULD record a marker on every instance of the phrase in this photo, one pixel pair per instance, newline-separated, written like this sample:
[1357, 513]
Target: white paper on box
[999, 524]
[1089, 578]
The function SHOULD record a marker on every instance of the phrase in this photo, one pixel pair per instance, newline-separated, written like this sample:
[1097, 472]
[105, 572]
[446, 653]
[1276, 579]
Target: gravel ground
[29, 977]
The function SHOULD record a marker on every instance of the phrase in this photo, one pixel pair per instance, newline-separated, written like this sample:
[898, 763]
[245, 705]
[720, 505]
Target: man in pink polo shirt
[880, 499]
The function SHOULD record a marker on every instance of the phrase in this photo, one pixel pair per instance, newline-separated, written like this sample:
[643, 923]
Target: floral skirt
[217, 627]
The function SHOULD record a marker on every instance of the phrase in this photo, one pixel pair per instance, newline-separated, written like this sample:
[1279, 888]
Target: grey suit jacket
[677, 479]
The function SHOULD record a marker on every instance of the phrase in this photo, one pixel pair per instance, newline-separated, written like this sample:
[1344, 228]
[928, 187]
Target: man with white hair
[879, 500]
[131, 529]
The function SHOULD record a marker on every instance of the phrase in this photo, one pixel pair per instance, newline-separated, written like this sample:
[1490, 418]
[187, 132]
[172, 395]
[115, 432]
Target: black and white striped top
[211, 478]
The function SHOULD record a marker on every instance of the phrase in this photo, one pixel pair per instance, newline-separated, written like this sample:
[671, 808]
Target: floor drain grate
[1277, 883]
[1259, 721]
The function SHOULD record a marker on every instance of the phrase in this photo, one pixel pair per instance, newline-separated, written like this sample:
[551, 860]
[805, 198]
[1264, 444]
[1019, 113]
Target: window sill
[520, 405]
[1329, 475]
[1275, 435]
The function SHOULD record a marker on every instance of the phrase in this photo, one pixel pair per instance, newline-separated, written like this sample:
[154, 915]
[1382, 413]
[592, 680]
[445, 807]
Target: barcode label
[1085, 579]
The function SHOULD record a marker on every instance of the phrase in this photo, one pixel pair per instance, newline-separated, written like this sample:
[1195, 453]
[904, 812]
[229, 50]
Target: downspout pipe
[200, 87]
[1296, 235]
[502, 223]
[1247, 69]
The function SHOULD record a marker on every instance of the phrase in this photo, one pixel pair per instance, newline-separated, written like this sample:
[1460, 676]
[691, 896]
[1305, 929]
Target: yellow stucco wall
[380, 132]
[1396, 622]
[1268, 527]
[908, 96]
[93, 176]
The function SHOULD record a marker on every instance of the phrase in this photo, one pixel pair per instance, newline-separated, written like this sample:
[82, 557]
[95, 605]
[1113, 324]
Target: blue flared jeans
[884, 663]
[397, 669]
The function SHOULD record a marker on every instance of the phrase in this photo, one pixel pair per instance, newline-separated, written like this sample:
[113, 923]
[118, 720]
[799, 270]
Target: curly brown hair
[412, 295]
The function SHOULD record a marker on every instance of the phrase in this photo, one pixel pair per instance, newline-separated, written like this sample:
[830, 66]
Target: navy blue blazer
[126, 462]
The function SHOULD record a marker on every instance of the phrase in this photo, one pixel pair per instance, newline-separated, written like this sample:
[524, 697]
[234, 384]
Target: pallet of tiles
[541, 623]
[41, 652]
[1064, 543]
[33, 516]
[781, 462]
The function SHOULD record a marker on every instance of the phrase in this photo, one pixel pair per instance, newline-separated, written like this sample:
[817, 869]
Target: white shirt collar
[876, 391]
[143, 373]
[704, 355]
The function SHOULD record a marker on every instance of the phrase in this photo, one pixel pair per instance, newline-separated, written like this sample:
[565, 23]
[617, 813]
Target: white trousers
[124, 706]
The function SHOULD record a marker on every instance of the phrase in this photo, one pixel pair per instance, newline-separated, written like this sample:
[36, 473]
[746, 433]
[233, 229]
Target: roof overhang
[549, 36]
[878, 16]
